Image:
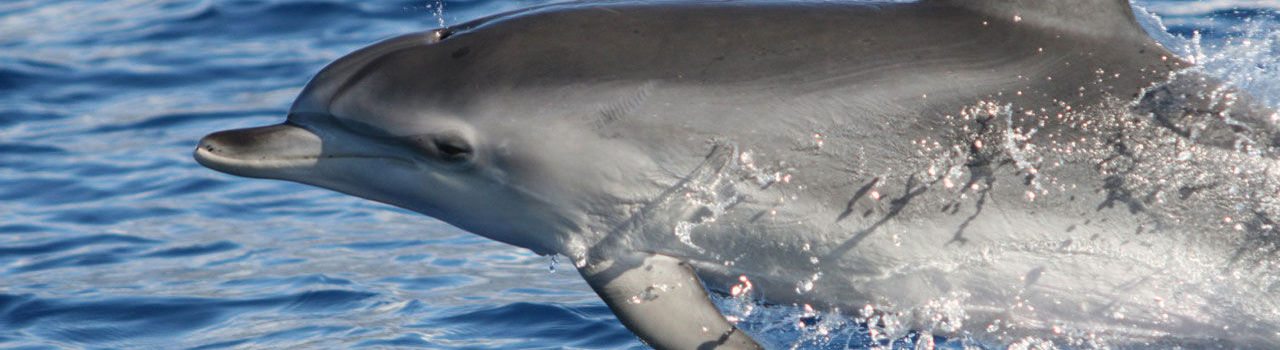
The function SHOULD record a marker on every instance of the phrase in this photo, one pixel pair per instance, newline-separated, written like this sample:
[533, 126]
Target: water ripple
[576, 326]
[119, 318]
[71, 243]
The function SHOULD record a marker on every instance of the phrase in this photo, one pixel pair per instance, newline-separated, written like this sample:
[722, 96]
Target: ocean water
[111, 236]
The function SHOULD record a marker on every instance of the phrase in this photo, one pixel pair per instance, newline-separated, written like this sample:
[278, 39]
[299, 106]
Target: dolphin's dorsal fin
[1098, 18]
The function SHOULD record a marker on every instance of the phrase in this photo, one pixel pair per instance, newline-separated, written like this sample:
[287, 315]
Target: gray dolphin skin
[1018, 172]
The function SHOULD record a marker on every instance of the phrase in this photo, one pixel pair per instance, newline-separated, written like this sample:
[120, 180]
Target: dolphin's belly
[1068, 231]
[1022, 273]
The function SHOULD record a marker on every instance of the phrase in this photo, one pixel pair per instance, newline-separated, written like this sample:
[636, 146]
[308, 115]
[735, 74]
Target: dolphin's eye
[447, 147]
[452, 148]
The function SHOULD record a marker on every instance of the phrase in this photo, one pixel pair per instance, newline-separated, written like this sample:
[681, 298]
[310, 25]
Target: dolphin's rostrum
[1039, 167]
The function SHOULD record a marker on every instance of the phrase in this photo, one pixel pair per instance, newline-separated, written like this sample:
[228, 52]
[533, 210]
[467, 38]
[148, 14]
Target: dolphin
[1001, 170]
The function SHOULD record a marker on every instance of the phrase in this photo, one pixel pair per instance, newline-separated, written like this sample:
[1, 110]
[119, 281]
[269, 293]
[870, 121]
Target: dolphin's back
[1092, 18]
[953, 52]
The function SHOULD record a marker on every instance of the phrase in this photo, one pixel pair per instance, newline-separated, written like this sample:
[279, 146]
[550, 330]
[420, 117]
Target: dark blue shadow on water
[406, 341]
[71, 243]
[123, 318]
[201, 249]
[586, 326]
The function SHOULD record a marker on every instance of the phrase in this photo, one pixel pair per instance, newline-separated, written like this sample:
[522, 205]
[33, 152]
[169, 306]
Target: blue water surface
[111, 236]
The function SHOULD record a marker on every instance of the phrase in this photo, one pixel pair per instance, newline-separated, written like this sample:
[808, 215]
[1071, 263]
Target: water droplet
[683, 231]
[804, 286]
[439, 12]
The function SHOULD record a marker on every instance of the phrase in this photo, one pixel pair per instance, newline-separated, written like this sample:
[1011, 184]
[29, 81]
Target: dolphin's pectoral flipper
[661, 300]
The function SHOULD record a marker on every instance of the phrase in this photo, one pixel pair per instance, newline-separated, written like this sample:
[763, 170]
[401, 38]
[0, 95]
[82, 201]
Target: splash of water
[437, 9]
[1247, 56]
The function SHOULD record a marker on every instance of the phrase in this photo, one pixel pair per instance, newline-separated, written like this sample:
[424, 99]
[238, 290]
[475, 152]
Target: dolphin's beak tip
[243, 151]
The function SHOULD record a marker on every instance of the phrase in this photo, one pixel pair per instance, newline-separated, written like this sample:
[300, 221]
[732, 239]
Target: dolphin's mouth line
[344, 156]
[207, 155]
